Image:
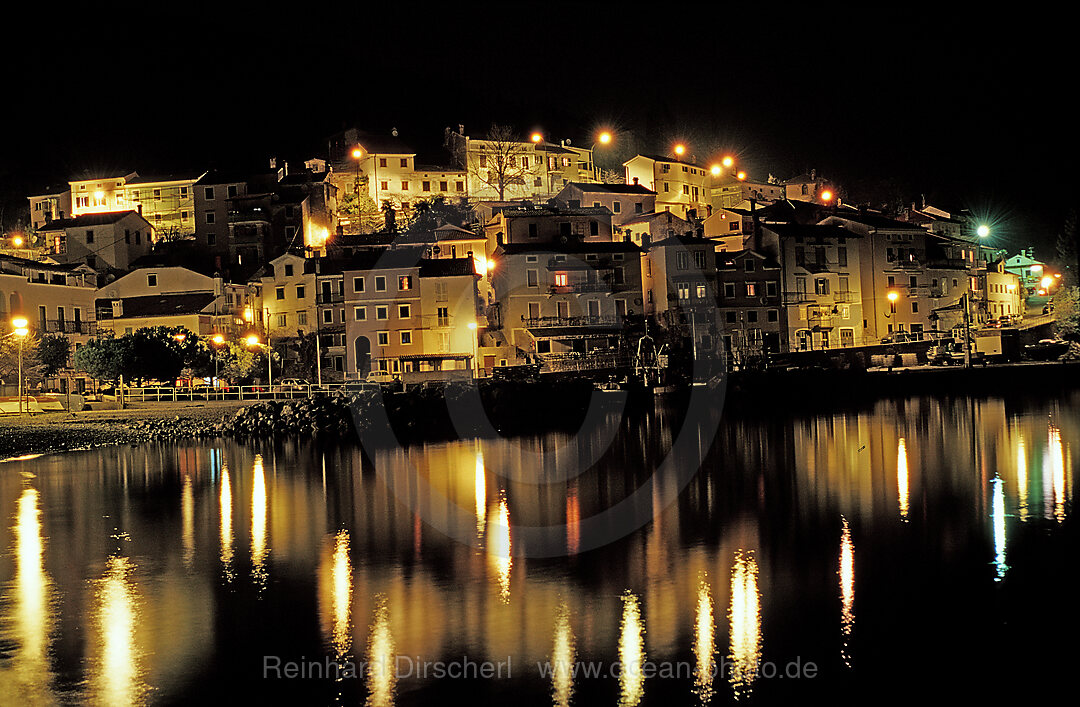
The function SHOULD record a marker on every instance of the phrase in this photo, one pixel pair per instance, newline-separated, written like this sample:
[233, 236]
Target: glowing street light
[741, 176]
[537, 137]
[357, 153]
[728, 161]
[893, 296]
[21, 330]
[1046, 282]
[826, 196]
[605, 138]
[17, 242]
[983, 231]
[253, 341]
[715, 170]
[680, 149]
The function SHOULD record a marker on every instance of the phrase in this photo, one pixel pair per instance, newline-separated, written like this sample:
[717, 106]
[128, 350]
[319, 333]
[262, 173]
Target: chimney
[635, 181]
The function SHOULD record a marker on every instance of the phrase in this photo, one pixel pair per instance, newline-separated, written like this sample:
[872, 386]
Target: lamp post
[216, 341]
[475, 348]
[21, 330]
[604, 138]
[254, 341]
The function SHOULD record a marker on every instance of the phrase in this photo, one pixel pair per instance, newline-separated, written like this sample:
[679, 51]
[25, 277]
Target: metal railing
[158, 394]
[584, 320]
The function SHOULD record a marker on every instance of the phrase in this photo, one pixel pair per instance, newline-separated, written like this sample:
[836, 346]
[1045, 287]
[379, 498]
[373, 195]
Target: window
[533, 231]
[358, 284]
[404, 163]
[701, 291]
[382, 161]
[360, 313]
[914, 307]
[209, 216]
[913, 281]
[443, 316]
[751, 315]
[561, 280]
[300, 292]
[459, 186]
[288, 270]
[404, 185]
[729, 289]
[699, 259]
[682, 261]
[382, 312]
[301, 318]
[616, 208]
[403, 311]
[730, 317]
[425, 186]
[383, 338]
[280, 292]
[751, 289]
[594, 228]
[841, 257]
[748, 265]
[380, 283]
[208, 192]
[406, 337]
[404, 283]
[89, 237]
[531, 278]
[821, 286]
[328, 316]
[684, 290]
[151, 280]
[770, 289]
[772, 315]
[283, 320]
[157, 195]
[442, 186]
[384, 185]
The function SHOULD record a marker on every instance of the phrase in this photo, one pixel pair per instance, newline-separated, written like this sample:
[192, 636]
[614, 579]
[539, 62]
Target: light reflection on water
[309, 536]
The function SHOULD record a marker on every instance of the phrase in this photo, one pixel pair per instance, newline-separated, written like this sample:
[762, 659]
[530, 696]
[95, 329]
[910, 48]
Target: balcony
[582, 287]
[581, 321]
[62, 326]
[332, 298]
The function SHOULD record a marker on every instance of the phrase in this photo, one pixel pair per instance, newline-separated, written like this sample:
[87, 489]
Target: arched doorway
[362, 356]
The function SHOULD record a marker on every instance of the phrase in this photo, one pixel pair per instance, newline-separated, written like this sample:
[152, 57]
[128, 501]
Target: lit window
[406, 337]
[405, 282]
[561, 280]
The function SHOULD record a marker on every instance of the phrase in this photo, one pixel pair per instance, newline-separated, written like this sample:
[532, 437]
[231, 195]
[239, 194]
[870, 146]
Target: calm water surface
[909, 551]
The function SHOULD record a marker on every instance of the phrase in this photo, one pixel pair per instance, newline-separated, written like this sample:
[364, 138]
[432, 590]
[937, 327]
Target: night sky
[970, 112]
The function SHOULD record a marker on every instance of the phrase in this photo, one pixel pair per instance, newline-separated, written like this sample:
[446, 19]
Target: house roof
[159, 305]
[793, 230]
[652, 216]
[683, 241]
[590, 188]
[568, 247]
[447, 267]
[179, 177]
[664, 158]
[85, 220]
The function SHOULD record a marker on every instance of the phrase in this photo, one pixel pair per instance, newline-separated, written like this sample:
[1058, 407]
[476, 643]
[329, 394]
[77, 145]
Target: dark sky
[972, 112]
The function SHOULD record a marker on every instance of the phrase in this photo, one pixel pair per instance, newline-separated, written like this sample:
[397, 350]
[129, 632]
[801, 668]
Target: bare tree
[501, 161]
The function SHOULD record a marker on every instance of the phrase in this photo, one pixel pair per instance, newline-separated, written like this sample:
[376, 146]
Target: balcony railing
[580, 287]
[333, 298]
[64, 326]
[582, 321]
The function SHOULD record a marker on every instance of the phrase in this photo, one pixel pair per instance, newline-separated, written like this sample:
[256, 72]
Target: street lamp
[475, 347]
[604, 138]
[680, 149]
[20, 324]
[216, 341]
[892, 297]
[253, 341]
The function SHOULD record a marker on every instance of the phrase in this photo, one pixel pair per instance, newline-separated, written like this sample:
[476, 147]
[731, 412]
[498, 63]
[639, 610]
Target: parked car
[380, 377]
[294, 384]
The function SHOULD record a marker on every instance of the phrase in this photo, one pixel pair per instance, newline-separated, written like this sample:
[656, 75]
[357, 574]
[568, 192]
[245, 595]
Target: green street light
[983, 231]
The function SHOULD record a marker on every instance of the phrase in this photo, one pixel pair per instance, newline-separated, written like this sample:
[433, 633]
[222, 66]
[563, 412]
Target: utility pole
[967, 327]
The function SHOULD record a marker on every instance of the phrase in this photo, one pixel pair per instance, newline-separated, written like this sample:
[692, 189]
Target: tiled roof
[159, 305]
[101, 219]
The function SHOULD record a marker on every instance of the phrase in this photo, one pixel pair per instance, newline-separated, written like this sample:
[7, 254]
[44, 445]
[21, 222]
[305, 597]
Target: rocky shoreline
[417, 415]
